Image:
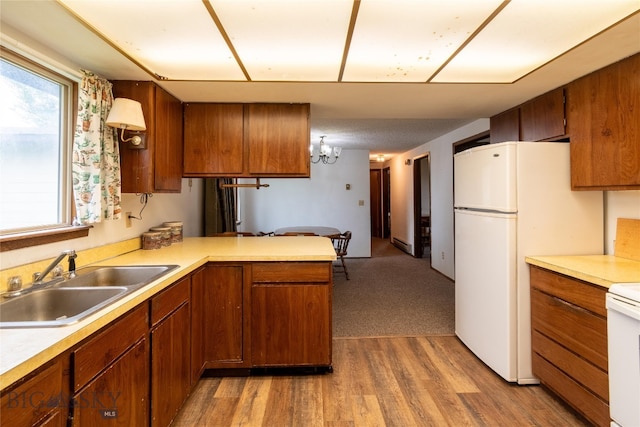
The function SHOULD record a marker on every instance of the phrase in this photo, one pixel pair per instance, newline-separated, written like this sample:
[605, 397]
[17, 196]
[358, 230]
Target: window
[36, 131]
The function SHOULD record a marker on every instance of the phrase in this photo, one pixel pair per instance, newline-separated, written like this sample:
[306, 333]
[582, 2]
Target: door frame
[417, 202]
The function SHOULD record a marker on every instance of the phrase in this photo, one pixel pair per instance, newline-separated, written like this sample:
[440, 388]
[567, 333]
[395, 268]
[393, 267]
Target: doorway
[379, 188]
[422, 206]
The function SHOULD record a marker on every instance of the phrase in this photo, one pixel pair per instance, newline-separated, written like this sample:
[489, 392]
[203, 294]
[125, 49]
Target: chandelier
[327, 154]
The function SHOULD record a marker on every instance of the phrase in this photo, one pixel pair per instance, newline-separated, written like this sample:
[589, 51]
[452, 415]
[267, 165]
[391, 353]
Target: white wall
[185, 207]
[618, 204]
[320, 200]
[402, 224]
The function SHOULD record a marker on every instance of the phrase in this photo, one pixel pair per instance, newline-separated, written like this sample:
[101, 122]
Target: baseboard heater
[403, 246]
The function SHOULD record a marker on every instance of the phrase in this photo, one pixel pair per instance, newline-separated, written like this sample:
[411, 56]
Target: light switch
[348, 186]
[360, 202]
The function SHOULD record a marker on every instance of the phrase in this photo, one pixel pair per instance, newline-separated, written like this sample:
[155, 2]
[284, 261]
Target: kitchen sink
[130, 276]
[56, 306]
[61, 303]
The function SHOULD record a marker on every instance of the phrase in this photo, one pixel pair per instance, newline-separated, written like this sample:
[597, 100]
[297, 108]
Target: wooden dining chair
[340, 244]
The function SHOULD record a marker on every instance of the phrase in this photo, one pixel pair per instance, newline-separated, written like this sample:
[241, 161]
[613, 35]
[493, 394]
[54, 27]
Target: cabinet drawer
[168, 300]
[585, 402]
[291, 272]
[35, 399]
[100, 351]
[585, 373]
[583, 294]
[573, 327]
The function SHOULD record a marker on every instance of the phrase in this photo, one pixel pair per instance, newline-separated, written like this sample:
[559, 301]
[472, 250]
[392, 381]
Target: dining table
[319, 230]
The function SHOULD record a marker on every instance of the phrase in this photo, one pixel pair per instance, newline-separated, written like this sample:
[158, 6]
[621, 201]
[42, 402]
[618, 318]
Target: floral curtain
[96, 157]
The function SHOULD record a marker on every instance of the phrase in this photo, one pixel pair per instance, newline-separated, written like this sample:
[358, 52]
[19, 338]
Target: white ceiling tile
[287, 40]
[408, 40]
[528, 34]
[176, 39]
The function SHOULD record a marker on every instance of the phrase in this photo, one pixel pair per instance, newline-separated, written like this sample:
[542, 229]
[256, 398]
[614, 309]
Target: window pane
[31, 112]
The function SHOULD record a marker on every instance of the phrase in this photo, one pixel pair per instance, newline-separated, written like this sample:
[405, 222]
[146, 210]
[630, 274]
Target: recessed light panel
[176, 39]
[287, 40]
[408, 40]
[527, 34]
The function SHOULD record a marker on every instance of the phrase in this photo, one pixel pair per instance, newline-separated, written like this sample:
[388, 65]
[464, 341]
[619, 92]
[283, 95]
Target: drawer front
[169, 300]
[100, 351]
[585, 373]
[583, 401]
[33, 400]
[583, 294]
[572, 327]
[291, 272]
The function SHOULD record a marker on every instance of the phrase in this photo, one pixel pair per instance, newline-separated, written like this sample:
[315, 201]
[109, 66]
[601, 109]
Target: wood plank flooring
[387, 381]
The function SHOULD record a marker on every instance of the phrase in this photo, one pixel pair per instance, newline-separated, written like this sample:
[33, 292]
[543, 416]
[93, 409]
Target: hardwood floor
[390, 381]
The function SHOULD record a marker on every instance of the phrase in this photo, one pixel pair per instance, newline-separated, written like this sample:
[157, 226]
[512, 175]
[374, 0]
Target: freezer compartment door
[485, 178]
[485, 288]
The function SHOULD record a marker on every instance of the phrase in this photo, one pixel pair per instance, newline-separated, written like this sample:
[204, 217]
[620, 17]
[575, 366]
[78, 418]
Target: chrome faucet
[38, 277]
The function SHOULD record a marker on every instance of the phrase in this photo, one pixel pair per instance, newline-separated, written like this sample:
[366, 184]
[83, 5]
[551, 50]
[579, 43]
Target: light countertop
[23, 350]
[603, 270]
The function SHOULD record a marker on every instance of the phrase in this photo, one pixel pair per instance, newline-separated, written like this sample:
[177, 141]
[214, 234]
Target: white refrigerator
[513, 200]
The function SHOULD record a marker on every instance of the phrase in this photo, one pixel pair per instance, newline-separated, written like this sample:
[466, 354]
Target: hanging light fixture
[326, 154]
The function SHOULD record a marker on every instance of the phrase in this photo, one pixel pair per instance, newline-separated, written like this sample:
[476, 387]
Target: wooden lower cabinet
[569, 341]
[119, 395]
[139, 369]
[170, 352]
[111, 374]
[220, 330]
[291, 314]
[41, 399]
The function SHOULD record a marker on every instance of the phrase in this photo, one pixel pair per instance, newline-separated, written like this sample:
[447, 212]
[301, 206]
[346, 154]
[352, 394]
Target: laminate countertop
[24, 350]
[603, 270]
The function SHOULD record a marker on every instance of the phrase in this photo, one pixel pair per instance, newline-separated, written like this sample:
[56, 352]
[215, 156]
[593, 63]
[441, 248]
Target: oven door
[623, 329]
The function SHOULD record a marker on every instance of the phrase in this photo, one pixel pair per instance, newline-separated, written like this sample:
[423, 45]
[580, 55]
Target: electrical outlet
[127, 219]
[442, 255]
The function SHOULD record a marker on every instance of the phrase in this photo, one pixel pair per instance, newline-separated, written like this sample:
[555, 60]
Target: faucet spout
[72, 265]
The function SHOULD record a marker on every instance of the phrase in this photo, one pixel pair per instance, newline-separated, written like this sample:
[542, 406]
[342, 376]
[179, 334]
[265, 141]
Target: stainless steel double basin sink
[63, 302]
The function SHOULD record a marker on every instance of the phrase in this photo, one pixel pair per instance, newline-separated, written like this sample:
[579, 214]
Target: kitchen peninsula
[233, 303]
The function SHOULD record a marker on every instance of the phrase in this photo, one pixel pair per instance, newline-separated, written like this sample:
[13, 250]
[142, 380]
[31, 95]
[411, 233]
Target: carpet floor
[391, 294]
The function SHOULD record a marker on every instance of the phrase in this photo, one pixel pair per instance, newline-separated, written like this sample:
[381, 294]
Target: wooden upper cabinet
[277, 138]
[604, 123]
[505, 126]
[158, 167]
[213, 139]
[543, 118]
[246, 140]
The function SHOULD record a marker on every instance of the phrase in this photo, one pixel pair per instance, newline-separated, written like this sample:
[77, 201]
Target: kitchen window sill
[34, 238]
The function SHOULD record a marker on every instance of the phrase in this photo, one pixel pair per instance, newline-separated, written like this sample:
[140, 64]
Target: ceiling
[382, 75]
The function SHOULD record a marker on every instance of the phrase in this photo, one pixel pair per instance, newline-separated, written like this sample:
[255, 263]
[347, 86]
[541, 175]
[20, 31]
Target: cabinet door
[505, 126]
[167, 162]
[119, 395]
[37, 401]
[290, 325]
[170, 366]
[213, 139]
[220, 298]
[277, 139]
[604, 125]
[543, 117]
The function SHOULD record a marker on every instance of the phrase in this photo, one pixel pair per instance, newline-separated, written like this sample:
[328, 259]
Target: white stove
[623, 330]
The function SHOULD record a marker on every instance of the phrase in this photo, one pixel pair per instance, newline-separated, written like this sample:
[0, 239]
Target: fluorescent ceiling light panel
[287, 40]
[521, 39]
[176, 39]
[408, 40]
